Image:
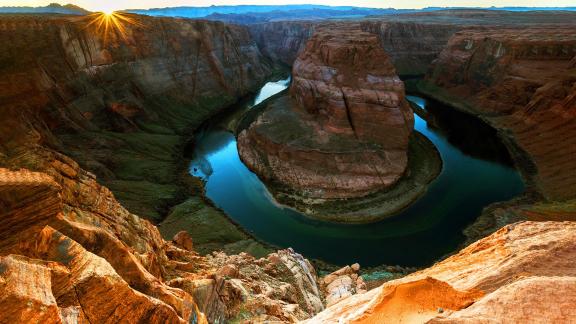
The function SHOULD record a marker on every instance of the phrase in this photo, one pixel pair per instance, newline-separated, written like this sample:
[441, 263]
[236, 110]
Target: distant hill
[266, 13]
[53, 8]
[250, 14]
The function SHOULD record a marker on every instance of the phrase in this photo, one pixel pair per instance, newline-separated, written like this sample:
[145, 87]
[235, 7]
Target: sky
[110, 5]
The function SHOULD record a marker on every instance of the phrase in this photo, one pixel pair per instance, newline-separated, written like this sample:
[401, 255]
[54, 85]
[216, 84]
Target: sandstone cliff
[523, 273]
[282, 41]
[412, 40]
[522, 82]
[343, 130]
[412, 45]
[70, 252]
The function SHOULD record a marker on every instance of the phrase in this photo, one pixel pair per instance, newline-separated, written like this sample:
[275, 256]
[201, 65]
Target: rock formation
[344, 129]
[522, 81]
[71, 251]
[282, 41]
[342, 284]
[412, 40]
[523, 273]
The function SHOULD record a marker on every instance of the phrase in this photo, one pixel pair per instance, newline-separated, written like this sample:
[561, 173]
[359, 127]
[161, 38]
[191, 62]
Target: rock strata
[119, 104]
[344, 128]
[65, 260]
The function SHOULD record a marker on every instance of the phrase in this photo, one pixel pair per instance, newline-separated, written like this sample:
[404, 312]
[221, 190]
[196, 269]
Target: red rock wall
[282, 41]
[522, 81]
[412, 46]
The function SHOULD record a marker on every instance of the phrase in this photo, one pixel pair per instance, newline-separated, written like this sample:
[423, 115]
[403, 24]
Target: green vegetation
[210, 229]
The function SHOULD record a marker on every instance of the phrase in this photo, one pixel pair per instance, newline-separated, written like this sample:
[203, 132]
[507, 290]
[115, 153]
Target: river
[476, 172]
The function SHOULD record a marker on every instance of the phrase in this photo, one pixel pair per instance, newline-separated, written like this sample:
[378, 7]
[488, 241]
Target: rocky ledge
[524, 273]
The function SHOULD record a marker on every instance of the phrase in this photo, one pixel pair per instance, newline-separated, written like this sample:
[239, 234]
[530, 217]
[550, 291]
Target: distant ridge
[259, 10]
[249, 14]
[53, 8]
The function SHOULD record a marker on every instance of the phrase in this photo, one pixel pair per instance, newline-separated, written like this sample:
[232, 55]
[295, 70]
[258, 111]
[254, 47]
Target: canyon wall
[412, 46]
[102, 93]
[282, 41]
[521, 81]
[117, 97]
[95, 112]
[121, 96]
[343, 130]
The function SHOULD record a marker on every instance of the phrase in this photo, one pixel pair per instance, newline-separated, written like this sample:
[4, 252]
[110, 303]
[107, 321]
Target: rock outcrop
[523, 272]
[70, 251]
[412, 40]
[521, 81]
[343, 130]
[342, 284]
[412, 46]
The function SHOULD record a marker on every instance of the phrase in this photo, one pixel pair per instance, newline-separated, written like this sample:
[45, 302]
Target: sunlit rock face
[522, 81]
[343, 130]
[496, 279]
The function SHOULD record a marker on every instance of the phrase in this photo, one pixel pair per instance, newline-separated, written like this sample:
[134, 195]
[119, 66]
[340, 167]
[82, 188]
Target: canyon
[94, 124]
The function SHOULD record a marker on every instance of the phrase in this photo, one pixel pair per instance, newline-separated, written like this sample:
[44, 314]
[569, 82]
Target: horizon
[118, 5]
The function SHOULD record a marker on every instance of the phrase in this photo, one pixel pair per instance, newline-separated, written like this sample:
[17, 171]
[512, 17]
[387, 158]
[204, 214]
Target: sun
[112, 25]
[107, 12]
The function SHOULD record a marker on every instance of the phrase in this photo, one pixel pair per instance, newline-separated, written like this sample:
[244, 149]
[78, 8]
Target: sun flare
[112, 25]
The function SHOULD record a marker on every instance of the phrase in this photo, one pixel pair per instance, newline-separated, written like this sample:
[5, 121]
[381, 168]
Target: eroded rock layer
[343, 130]
[69, 251]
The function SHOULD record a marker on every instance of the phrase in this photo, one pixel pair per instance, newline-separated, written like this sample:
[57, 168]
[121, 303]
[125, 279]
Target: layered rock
[523, 82]
[343, 130]
[102, 265]
[412, 46]
[413, 40]
[138, 87]
[120, 103]
[523, 272]
[282, 41]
